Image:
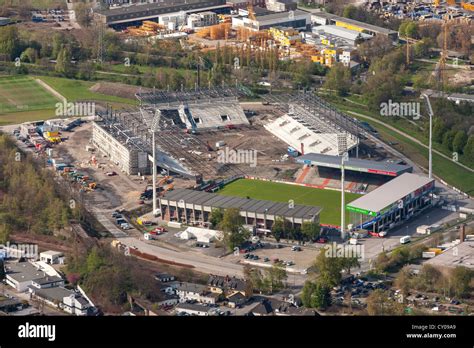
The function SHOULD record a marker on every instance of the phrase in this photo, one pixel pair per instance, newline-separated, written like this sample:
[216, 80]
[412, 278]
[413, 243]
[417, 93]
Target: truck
[405, 240]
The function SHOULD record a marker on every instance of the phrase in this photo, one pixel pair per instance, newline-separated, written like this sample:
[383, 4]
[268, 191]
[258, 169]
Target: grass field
[329, 200]
[23, 94]
[77, 90]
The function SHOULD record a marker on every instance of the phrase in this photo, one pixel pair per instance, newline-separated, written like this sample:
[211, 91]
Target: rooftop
[252, 205]
[369, 27]
[53, 294]
[23, 271]
[460, 255]
[361, 165]
[391, 192]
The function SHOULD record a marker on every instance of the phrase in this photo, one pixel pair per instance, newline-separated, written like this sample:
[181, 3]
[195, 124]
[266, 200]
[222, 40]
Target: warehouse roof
[363, 25]
[171, 4]
[355, 164]
[280, 15]
[251, 205]
[391, 192]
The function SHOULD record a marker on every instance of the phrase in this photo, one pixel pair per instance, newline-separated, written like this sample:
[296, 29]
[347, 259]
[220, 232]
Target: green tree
[380, 303]
[216, 217]
[310, 230]
[461, 278]
[428, 278]
[329, 268]
[274, 278]
[448, 139]
[281, 228]
[234, 232]
[9, 42]
[321, 296]
[63, 62]
[439, 128]
[469, 149]
[30, 55]
[459, 141]
[339, 79]
[348, 263]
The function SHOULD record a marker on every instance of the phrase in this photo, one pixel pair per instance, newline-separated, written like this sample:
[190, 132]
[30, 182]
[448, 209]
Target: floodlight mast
[430, 151]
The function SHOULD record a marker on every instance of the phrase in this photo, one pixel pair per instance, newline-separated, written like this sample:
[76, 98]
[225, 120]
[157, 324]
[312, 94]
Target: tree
[349, 262]
[274, 278]
[448, 139]
[9, 42]
[328, 267]
[379, 303]
[216, 216]
[439, 128]
[459, 141]
[409, 28]
[281, 228]
[339, 79]
[469, 149]
[403, 281]
[250, 280]
[234, 232]
[461, 278]
[321, 297]
[63, 62]
[30, 55]
[83, 14]
[428, 278]
[316, 295]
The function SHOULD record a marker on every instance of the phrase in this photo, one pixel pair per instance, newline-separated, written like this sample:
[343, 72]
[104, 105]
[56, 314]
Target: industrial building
[192, 207]
[297, 19]
[125, 16]
[392, 204]
[325, 18]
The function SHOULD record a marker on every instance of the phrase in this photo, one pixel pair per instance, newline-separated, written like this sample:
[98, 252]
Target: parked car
[295, 248]
[111, 173]
[266, 259]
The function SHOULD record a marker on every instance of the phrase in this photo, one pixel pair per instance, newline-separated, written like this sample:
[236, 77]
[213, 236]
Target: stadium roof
[358, 165]
[244, 204]
[390, 193]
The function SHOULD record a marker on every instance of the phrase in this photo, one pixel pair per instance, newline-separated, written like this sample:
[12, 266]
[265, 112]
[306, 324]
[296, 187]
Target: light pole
[344, 158]
[154, 127]
[430, 112]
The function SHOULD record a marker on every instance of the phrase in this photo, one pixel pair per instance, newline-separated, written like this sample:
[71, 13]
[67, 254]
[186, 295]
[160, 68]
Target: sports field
[329, 200]
[23, 94]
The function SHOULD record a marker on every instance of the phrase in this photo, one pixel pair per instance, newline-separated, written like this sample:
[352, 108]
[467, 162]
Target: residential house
[65, 299]
[227, 286]
[193, 309]
[165, 277]
[195, 292]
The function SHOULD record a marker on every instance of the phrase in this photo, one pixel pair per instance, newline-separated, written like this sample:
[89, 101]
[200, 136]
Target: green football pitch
[22, 94]
[329, 200]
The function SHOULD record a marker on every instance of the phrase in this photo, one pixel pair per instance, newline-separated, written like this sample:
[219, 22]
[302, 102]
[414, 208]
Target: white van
[405, 240]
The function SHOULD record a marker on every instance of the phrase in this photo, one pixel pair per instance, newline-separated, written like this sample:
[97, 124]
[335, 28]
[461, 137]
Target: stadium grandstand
[311, 125]
[190, 206]
[391, 204]
[354, 164]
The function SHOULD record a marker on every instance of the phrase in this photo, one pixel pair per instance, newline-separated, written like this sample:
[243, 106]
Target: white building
[195, 292]
[52, 257]
[22, 275]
